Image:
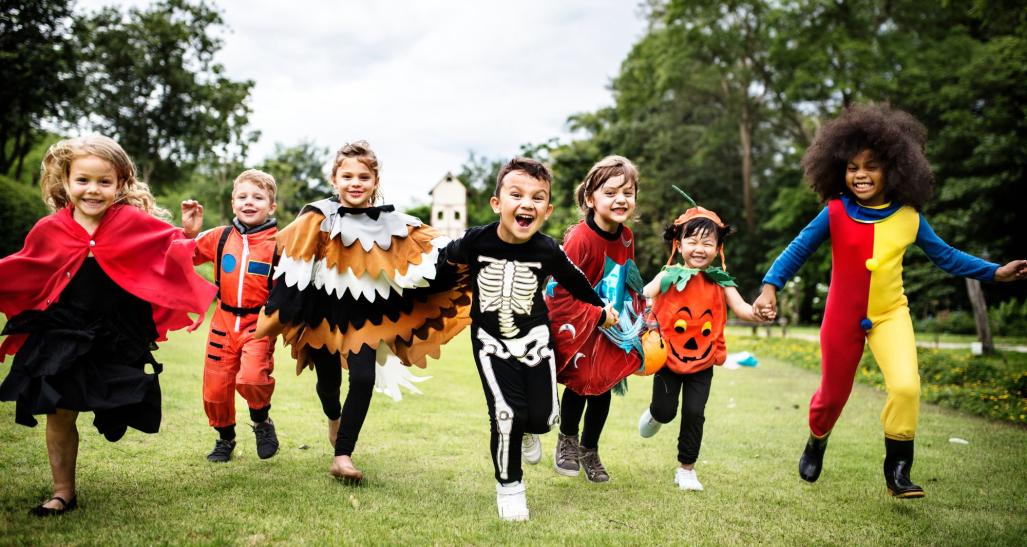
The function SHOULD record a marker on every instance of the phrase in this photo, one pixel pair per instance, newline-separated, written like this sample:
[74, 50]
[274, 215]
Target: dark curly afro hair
[896, 140]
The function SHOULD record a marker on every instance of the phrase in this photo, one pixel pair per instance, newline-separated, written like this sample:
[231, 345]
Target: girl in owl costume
[358, 284]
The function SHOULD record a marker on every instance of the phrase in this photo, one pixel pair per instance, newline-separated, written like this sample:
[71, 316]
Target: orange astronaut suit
[236, 360]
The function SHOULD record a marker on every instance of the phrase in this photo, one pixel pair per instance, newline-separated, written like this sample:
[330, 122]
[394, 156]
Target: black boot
[898, 461]
[812, 460]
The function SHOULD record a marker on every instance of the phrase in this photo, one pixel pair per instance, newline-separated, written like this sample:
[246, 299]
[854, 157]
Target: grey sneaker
[594, 470]
[565, 460]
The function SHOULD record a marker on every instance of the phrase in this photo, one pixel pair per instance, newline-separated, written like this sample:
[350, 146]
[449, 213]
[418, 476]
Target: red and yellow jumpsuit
[236, 360]
[866, 303]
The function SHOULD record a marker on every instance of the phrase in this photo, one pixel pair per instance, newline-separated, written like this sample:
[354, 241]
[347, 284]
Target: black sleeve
[570, 277]
[457, 250]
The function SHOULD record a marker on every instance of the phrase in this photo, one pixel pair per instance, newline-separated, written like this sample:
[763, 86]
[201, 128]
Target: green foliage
[300, 174]
[990, 386]
[22, 207]
[38, 71]
[948, 322]
[1009, 318]
[152, 84]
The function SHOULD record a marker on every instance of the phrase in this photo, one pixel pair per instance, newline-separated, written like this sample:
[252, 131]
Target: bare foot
[342, 468]
[333, 430]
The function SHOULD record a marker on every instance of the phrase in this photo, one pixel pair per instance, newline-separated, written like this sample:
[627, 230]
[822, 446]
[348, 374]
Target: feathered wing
[345, 283]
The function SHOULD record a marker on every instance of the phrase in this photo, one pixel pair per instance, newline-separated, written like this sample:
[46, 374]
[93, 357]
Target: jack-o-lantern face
[692, 323]
[689, 337]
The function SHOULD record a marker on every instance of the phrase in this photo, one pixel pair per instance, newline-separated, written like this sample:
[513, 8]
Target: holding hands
[1013, 271]
[192, 217]
[765, 306]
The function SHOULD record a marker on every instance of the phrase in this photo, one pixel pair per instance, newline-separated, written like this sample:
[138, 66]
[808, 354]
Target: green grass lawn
[430, 476]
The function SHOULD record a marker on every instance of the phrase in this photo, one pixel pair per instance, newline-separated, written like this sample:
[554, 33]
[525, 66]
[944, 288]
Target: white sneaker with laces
[686, 479]
[531, 448]
[512, 502]
[647, 426]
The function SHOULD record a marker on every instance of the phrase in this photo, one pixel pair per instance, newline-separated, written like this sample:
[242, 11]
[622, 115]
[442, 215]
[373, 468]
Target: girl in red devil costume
[591, 361]
[690, 304]
[97, 282]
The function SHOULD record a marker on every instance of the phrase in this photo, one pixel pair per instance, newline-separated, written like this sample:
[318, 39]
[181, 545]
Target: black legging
[695, 390]
[572, 406]
[358, 398]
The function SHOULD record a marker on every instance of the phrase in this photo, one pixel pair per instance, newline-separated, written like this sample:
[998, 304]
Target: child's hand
[611, 316]
[192, 217]
[1014, 271]
[765, 306]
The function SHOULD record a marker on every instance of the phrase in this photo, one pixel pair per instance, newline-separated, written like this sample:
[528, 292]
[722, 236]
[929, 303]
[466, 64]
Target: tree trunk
[973, 290]
[745, 132]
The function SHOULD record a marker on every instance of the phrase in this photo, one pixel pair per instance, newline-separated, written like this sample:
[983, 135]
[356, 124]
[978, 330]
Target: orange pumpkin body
[655, 353]
[692, 324]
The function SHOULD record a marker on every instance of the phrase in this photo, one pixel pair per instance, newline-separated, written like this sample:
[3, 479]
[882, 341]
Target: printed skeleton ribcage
[507, 287]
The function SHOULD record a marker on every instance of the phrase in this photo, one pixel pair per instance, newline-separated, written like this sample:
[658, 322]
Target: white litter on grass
[957, 440]
[731, 403]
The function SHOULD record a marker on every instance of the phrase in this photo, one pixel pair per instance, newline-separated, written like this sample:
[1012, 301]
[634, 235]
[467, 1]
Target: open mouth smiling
[524, 220]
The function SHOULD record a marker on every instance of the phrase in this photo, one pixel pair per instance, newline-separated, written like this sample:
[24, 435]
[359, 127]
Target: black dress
[88, 352]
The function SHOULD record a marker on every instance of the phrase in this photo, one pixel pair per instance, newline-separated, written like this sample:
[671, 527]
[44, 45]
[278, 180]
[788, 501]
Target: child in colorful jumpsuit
[509, 263]
[244, 255]
[869, 166]
[590, 362]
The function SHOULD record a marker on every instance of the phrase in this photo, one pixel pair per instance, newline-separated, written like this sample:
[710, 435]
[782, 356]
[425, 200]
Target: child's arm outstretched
[743, 310]
[789, 262]
[192, 217]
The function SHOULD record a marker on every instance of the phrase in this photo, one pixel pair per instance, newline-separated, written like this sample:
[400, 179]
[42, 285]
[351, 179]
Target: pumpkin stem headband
[693, 213]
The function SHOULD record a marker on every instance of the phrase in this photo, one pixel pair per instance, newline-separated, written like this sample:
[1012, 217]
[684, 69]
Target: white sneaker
[531, 448]
[686, 479]
[647, 426]
[512, 502]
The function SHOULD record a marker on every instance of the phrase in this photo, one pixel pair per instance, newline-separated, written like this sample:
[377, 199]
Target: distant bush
[993, 386]
[1008, 318]
[950, 322]
[20, 208]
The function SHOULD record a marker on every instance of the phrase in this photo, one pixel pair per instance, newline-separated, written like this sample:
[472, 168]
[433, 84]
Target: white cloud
[424, 82]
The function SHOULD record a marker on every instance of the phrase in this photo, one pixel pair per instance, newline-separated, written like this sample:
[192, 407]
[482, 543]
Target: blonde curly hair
[56, 168]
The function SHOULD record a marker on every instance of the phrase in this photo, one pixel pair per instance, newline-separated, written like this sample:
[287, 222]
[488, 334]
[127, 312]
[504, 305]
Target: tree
[151, 83]
[38, 71]
[300, 174]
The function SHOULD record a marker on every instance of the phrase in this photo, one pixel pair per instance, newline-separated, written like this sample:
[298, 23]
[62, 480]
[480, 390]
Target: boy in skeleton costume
[509, 262]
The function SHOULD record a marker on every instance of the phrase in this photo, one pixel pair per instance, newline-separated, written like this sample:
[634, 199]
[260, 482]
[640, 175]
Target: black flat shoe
[41, 511]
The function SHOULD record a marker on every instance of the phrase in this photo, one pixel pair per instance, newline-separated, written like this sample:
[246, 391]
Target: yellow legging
[894, 347]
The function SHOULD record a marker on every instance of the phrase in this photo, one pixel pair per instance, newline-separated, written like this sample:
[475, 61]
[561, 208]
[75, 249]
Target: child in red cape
[97, 283]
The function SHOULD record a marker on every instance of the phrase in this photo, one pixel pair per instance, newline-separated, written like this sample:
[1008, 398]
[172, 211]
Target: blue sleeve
[952, 260]
[799, 250]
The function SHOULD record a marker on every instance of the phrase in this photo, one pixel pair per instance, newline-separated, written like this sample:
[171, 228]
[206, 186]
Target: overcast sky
[424, 81]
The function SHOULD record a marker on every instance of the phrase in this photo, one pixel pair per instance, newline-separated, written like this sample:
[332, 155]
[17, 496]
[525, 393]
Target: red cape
[147, 257]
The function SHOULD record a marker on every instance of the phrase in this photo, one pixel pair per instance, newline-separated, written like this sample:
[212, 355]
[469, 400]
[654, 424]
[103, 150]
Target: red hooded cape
[147, 257]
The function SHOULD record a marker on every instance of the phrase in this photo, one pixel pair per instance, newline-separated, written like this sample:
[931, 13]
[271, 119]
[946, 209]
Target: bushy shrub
[993, 386]
[20, 208]
[948, 322]
[1009, 318]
